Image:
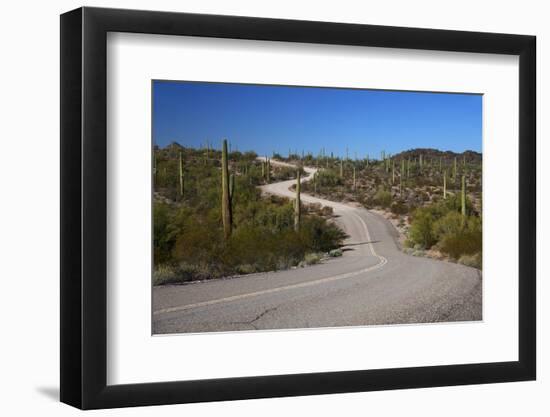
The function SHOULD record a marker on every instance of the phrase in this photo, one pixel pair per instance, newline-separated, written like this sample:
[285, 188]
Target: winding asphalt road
[372, 283]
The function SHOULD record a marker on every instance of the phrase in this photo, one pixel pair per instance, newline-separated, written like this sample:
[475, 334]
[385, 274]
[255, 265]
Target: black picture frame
[84, 207]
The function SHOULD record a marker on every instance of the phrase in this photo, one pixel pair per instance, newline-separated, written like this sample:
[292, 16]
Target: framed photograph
[258, 208]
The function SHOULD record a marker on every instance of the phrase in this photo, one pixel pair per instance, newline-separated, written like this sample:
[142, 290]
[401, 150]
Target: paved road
[372, 283]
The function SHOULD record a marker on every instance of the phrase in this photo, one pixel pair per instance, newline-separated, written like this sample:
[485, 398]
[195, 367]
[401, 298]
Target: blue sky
[269, 119]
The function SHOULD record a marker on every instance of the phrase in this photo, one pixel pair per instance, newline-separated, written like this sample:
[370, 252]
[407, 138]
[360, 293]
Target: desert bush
[179, 273]
[327, 211]
[474, 260]
[164, 274]
[450, 224]
[421, 231]
[399, 207]
[383, 198]
[312, 258]
[283, 173]
[328, 178]
[316, 207]
[443, 224]
[466, 242]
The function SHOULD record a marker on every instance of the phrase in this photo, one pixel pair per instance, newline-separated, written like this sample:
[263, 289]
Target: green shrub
[327, 177]
[283, 173]
[467, 242]
[448, 225]
[327, 211]
[383, 198]
[421, 231]
[399, 207]
[312, 258]
[443, 224]
[474, 260]
[164, 274]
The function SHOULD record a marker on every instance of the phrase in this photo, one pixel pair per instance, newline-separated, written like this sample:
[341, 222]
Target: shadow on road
[361, 243]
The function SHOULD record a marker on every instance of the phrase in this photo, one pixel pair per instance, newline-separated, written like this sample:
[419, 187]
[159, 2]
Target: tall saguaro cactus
[445, 185]
[463, 196]
[315, 182]
[297, 203]
[227, 217]
[268, 169]
[181, 176]
[341, 168]
[455, 172]
[154, 168]
[231, 188]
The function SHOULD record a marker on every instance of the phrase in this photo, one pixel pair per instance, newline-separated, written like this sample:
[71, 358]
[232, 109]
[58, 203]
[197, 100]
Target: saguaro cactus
[354, 183]
[463, 196]
[268, 169]
[341, 169]
[315, 183]
[297, 204]
[154, 168]
[455, 172]
[181, 175]
[393, 171]
[445, 185]
[227, 218]
[231, 188]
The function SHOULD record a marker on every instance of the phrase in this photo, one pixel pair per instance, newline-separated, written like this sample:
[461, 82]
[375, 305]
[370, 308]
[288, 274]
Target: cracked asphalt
[373, 283]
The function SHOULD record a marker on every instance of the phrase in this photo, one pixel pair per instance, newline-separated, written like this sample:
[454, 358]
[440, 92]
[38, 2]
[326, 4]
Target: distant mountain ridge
[428, 153]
